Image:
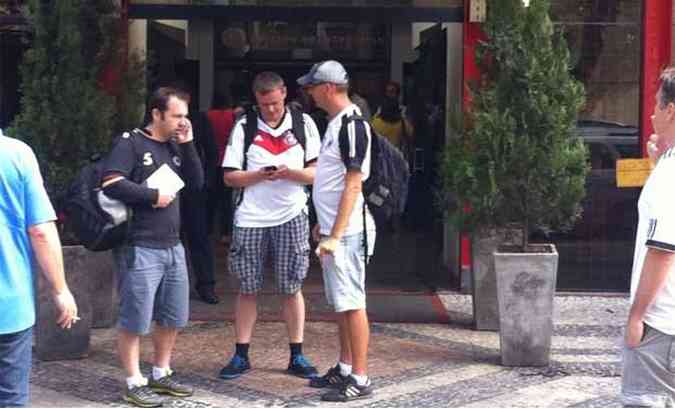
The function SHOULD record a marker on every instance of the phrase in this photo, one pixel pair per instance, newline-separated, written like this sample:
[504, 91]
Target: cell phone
[270, 168]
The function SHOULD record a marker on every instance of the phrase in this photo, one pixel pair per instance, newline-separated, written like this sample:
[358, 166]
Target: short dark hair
[666, 93]
[267, 81]
[159, 99]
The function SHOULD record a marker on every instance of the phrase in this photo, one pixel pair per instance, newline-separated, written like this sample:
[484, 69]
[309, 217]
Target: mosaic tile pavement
[411, 364]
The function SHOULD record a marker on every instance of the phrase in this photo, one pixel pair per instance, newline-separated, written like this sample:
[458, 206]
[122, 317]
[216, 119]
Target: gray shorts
[288, 244]
[155, 287]
[648, 377]
[344, 273]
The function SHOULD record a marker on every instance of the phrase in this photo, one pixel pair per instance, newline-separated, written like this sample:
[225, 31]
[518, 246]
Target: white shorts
[344, 273]
[648, 378]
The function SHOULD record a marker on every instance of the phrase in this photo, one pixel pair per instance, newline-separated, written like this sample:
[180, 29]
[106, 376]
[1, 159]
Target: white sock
[361, 380]
[158, 373]
[345, 370]
[138, 380]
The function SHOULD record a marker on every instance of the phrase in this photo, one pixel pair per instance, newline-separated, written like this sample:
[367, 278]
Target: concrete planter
[483, 278]
[525, 290]
[103, 289]
[89, 276]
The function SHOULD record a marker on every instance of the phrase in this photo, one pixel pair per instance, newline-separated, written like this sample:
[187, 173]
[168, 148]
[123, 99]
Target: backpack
[386, 189]
[99, 222]
[250, 131]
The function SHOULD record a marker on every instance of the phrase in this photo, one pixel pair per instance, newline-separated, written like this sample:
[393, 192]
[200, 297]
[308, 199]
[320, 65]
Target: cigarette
[75, 319]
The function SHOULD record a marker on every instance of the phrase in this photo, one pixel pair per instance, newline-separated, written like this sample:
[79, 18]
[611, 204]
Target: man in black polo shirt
[152, 274]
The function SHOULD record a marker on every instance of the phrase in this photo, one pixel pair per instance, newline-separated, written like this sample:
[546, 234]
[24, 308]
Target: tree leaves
[65, 115]
[522, 160]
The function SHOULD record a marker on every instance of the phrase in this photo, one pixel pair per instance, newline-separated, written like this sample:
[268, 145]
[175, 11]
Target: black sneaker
[237, 367]
[332, 379]
[142, 396]
[301, 367]
[349, 390]
[167, 385]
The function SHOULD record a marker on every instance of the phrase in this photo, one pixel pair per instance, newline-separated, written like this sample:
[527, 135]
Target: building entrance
[409, 252]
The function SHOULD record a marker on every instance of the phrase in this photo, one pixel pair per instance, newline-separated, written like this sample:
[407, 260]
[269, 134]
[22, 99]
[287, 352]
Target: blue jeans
[15, 364]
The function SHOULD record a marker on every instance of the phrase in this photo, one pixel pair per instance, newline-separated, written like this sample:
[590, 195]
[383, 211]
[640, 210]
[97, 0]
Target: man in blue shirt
[26, 228]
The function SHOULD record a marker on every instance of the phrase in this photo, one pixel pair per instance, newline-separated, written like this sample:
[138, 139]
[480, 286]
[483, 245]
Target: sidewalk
[412, 365]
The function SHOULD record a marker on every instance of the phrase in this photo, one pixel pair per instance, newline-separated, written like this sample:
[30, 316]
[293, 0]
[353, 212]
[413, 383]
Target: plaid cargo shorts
[288, 244]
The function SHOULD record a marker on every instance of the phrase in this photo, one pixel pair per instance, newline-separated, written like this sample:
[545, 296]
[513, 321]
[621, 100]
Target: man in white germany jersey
[272, 170]
[648, 378]
[346, 230]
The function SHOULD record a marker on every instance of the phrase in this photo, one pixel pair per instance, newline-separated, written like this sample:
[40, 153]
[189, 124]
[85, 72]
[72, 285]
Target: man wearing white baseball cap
[343, 165]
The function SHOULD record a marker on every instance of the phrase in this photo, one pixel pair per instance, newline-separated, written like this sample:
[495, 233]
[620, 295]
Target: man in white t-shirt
[343, 165]
[648, 378]
[271, 216]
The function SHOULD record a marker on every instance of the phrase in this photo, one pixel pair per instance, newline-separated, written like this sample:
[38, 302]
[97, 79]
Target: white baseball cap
[326, 71]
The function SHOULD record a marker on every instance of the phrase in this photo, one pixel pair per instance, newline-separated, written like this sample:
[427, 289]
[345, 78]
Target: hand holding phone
[270, 168]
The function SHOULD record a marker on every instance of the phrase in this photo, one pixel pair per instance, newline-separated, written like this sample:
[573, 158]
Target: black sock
[296, 349]
[242, 350]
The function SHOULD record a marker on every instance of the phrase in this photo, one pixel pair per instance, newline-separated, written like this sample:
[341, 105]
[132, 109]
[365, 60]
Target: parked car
[608, 211]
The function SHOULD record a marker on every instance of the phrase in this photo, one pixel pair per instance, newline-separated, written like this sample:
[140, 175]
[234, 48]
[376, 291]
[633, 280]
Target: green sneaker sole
[141, 403]
[167, 391]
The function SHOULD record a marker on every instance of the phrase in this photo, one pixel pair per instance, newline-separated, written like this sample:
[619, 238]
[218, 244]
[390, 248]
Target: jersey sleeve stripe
[652, 228]
[660, 245]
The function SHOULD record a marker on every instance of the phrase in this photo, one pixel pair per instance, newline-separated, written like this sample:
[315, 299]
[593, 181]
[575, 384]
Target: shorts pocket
[648, 335]
[300, 259]
[237, 261]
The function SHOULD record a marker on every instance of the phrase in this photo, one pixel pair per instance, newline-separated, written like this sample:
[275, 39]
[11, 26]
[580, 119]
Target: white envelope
[165, 180]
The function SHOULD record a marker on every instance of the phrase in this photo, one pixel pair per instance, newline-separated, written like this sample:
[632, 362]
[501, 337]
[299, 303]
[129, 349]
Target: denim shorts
[155, 287]
[647, 379]
[289, 247]
[15, 364]
[344, 273]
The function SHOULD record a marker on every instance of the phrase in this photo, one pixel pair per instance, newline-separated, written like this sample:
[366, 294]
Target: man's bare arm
[655, 270]
[47, 248]
[353, 186]
[303, 176]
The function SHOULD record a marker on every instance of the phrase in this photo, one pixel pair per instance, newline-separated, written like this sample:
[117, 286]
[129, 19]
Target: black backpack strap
[343, 141]
[250, 130]
[135, 136]
[298, 127]
[343, 136]
[366, 259]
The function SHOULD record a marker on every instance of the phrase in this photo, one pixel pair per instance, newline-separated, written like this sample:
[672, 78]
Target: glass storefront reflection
[604, 39]
[312, 3]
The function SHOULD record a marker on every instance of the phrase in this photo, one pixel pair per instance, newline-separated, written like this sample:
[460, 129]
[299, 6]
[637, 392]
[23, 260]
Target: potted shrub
[520, 165]
[66, 117]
